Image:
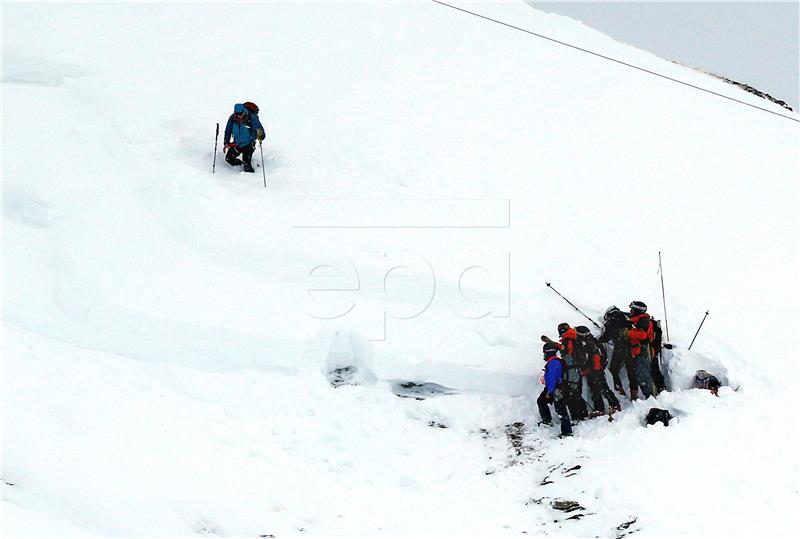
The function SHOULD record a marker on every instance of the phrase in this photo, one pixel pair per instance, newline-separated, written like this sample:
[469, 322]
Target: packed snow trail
[168, 331]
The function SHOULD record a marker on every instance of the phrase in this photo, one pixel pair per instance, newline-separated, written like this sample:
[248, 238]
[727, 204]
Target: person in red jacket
[639, 336]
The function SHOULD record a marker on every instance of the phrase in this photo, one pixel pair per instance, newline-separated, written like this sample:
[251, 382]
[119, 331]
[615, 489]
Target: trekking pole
[263, 170]
[698, 331]
[573, 306]
[216, 139]
[663, 296]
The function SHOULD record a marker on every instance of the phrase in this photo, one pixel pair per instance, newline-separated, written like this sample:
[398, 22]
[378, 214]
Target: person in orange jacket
[639, 336]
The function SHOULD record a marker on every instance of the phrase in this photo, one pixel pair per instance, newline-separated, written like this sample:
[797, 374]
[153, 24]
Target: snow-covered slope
[167, 330]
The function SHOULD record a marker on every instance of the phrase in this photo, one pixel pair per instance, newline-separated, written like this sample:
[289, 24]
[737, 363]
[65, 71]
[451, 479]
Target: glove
[260, 135]
[548, 398]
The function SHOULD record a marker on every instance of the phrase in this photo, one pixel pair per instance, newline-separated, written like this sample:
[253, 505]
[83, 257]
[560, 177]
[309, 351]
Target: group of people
[241, 133]
[635, 342]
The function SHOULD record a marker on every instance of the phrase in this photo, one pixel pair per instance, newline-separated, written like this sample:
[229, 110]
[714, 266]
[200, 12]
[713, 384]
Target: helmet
[638, 307]
[610, 312]
[562, 328]
[550, 349]
[583, 332]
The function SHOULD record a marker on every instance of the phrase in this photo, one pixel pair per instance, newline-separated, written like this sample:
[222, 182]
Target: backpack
[252, 107]
[656, 415]
[656, 342]
[563, 371]
[603, 355]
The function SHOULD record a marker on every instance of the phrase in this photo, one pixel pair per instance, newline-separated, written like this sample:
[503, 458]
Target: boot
[248, 167]
[634, 394]
[619, 389]
[231, 158]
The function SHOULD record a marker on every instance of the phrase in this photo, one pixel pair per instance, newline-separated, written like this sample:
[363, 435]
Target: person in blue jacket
[245, 128]
[553, 391]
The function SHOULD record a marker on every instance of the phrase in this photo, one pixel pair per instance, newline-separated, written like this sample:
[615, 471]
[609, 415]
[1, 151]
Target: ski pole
[663, 296]
[573, 306]
[263, 170]
[216, 139]
[698, 331]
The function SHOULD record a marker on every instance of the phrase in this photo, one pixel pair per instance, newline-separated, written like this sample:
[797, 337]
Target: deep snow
[167, 330]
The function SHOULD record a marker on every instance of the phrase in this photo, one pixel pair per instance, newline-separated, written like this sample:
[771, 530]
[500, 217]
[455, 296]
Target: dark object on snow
[341, 376]
[568, 506]
[419, 390]
[656, 415]
[747, 88]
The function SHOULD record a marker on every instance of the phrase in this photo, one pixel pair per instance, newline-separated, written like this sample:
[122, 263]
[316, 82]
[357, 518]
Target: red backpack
[252, 107]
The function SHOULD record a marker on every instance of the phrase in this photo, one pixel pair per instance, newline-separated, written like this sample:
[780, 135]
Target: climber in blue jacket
[245, 128]
[553, 392]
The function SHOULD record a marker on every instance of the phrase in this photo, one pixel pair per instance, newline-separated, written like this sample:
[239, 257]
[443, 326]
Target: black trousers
[245, 151]
[599, 389]
[622, 356]
[578, 408]
[561, 410]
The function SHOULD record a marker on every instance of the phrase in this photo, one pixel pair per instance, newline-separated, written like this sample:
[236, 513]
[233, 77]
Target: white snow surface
[168, 331]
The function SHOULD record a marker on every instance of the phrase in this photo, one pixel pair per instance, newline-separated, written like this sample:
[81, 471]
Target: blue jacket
[553, 374]
[243, 132]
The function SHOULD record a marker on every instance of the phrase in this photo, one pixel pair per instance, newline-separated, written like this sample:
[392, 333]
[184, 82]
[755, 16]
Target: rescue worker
[614, 322]
[593, 360]
[639, 336]
[573, 386]
[553, 393]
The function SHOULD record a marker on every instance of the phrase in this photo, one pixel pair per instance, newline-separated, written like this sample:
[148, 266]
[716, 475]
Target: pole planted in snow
[698, 331]
[573, 306]
[263, 170]
[216, 140]
[663, 295]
